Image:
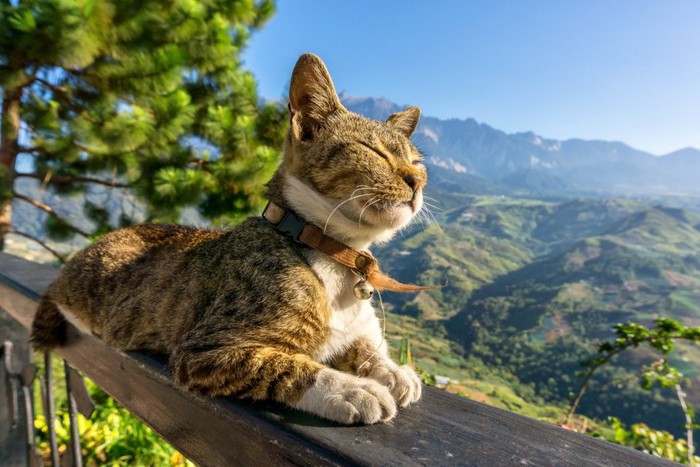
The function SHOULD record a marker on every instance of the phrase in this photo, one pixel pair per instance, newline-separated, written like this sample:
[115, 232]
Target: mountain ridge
[532, 286]
[573, 166]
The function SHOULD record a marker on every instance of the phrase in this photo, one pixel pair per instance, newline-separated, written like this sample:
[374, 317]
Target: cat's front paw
[402, 381]
[348, 399]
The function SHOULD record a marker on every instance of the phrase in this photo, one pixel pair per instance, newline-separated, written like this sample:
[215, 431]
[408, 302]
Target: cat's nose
[412, 181]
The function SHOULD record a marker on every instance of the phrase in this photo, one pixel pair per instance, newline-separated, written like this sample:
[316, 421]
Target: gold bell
[363, 290]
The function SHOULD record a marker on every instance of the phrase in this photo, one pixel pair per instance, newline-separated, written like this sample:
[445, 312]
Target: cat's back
[126, 250]
[128, 258]
[153, 255]
[152, 282]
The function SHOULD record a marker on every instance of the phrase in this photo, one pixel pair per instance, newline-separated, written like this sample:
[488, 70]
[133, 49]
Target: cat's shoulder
[257, 244]
[259, 235]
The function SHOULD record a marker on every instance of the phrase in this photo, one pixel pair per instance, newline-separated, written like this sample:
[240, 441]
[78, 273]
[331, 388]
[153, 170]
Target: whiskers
[352, 197]
[371, 202]
[426, 216]
[377, 197]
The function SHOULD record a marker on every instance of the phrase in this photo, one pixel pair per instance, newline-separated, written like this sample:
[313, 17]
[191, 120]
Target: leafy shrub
[656, 442]
[112, 436]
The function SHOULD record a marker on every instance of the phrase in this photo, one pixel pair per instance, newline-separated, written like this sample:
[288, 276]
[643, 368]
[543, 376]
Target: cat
[248, 312]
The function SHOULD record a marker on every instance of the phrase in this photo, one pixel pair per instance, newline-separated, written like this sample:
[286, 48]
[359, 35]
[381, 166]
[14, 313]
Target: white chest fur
[350, 318]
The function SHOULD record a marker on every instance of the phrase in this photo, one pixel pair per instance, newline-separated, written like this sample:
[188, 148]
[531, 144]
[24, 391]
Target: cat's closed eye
[381, 153]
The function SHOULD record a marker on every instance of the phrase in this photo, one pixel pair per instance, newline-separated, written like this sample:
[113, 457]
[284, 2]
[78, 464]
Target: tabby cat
[248, 312]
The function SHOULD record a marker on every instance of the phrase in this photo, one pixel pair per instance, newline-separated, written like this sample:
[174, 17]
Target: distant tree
[145, 96]
[657, 442]
[661, 338]
[667, 376]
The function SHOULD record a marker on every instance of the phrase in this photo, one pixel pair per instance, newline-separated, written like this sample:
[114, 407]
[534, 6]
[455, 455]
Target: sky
[623, 70]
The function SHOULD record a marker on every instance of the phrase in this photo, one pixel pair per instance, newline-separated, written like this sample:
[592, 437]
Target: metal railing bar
[13, 383]
[28, 377]
[50, 413]
[73, 415]
[83, 400]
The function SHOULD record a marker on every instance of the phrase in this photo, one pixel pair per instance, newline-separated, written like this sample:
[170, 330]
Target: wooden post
[14, 444]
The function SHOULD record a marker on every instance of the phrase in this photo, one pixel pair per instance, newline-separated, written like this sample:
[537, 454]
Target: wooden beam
[442, 429]
[14, 442]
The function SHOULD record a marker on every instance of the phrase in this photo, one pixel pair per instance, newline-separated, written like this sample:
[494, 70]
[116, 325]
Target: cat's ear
[312, 96]
[405, 121]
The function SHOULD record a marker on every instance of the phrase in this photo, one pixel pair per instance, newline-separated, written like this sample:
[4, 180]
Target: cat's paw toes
[414, 385]
[348, 399]
[402, 381]
[368, 403]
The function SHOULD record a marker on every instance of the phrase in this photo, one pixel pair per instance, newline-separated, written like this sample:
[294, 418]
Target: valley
[533, 285]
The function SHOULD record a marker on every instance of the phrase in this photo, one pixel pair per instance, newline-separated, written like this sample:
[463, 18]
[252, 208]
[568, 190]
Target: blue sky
[616, 70]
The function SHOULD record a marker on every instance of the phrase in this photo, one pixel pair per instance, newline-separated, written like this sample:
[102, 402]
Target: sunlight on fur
[248, 312]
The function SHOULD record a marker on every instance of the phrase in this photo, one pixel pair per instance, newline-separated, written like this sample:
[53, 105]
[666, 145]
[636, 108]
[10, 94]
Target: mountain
[535, 164]
[532, 286]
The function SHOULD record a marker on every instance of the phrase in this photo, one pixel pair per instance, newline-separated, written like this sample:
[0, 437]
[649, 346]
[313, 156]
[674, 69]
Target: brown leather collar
[362, 262]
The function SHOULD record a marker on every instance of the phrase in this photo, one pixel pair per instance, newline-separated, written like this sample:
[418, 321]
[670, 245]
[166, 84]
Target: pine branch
[50, 211]
[59, 256]
[80, 145]
[43, 149]
[32, 149]
[202, 163]
[77, 72]
[64, 180]
[62, 94]
[52, 87]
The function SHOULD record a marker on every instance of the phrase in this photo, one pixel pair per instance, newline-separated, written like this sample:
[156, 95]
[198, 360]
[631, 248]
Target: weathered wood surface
[442, 429]
[13, 439]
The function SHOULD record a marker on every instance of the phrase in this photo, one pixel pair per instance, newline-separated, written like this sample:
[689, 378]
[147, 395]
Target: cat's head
[359, 179]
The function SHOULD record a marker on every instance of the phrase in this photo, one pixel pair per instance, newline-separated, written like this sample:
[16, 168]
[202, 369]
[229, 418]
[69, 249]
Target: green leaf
[23, 21]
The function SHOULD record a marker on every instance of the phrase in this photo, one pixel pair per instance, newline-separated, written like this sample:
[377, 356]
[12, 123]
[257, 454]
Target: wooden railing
[442, 429]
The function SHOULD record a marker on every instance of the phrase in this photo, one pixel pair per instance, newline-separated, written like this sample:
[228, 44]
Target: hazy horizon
[624, 72]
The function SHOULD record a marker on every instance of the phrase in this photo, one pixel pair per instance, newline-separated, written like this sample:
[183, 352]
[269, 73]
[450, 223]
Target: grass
[435, 355]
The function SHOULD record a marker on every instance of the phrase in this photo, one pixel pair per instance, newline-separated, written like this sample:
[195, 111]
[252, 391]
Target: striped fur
[246, 312]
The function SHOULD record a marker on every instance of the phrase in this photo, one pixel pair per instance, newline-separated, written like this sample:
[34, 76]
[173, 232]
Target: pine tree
[144, 96]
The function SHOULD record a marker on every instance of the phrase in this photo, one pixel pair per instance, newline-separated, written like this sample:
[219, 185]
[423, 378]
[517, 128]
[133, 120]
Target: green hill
[534, 285]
